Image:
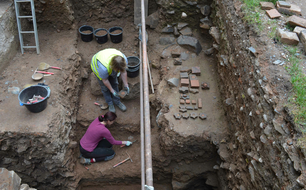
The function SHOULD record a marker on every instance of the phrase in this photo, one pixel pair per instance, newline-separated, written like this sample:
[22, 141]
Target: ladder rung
[25, 16]
[27, 32]
[29, 46]
[21, 1]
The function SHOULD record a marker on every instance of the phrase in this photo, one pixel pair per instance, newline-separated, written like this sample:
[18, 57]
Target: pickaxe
[129, 158]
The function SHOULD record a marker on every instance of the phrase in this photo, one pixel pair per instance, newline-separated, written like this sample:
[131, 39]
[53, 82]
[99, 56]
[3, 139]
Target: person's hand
[115, 94]
[127, 89]
[128, 143]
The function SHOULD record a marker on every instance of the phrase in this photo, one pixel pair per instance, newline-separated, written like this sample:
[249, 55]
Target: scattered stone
[253, 51]
[192, 77]
[203, 116]
[252, 135]
[185, 97]
[214, 32]
[14, 90]
[184, 82]
[168, 29]
[171, 12]
[278, 62]
[9, 179]
[184, 15]
[185, 69]
[285, 11]
[296, 21]
[176, 32]
[194, 102]
[181, 25]
[174, 82]
[177, 61]
[186, 31]
[183, 89]
[302, 37]
[194, 91]
[185, 115]
[184, 56]
[193, 115]
[229, 101]
[183, 110]
[289, 38]
[209, 51]
[176, 51]
[166, 40]
[205, 24]
[196, 70]
[187, 102]
[182, 101]
[190, 42]
[205, 10]
[177, 116]
[273, 13]
[289, 142]
[191, 2]
[204, 86]
[182, 107]
[283, 4]
[184, 75]
[267, 5]
[295, 9]
[195, 108]
[302, 179]
[298, 30]
[152, 20]
[189, 108]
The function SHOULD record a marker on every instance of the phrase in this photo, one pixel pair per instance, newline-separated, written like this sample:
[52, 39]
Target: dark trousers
[103, 150]
[109, 98]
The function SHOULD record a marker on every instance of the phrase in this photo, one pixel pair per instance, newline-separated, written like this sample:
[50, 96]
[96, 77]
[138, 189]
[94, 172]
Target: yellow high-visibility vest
[104, 56]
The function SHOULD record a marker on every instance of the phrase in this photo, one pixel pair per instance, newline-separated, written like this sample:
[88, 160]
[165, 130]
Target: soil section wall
[263, 140]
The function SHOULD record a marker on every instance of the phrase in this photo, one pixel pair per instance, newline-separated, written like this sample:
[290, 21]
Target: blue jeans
[109, 98]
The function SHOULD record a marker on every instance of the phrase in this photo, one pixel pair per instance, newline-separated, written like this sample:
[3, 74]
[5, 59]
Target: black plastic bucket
[115, 38]
[132, 73]
[133, 62]
[29, 92]
[101, 39]
[86, 37]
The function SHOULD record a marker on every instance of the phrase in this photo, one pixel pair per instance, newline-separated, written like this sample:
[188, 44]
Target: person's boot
[111, 108]
[121, 106]
[85, 160]
[109, 157]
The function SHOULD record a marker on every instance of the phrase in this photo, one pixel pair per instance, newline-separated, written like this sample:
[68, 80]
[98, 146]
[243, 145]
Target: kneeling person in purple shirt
[96, 144]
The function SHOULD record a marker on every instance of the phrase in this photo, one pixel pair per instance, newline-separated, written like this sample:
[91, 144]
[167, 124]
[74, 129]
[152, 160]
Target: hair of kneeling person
[118, 63]
[109, 116]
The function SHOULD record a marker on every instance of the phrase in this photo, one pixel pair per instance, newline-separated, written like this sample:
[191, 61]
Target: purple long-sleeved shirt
[94, 134]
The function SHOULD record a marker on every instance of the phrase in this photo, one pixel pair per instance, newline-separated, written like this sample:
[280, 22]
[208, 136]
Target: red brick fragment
[182, 101]
[194, 102]
[195, 83]
[273, 13]
[196, 70]
[184, 82]
[187, 101]
[200, 103]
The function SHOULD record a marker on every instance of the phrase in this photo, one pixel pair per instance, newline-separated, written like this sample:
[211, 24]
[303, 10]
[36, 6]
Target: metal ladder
[20, 32]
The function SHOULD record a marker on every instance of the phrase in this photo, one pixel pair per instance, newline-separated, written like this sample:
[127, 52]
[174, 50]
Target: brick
[195, 83]
[283, 4]
[200, 103]
[273, 13]
[289, 38]
[267, 5]
[184, 75]
[298, 30]
[196, 71]
[184, 82]
[303, 38]
[182, 101]
[183, 89]
[295, 9]
[176, 51]
[187, 101]
[193, 102]
[296, 21]
[177, 61]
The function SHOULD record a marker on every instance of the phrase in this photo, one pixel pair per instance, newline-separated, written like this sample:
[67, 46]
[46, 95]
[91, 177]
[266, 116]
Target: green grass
[298, 80]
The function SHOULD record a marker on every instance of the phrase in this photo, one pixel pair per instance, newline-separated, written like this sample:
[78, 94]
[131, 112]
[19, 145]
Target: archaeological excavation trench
[241, 137]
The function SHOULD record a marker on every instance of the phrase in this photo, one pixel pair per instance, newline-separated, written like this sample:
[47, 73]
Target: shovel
[44, 66]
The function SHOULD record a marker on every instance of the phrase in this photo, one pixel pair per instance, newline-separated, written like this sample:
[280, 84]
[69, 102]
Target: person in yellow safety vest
[106, 64]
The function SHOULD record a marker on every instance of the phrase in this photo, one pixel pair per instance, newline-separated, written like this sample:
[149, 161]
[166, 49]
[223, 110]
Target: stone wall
[263, 139]
[9, 40]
